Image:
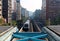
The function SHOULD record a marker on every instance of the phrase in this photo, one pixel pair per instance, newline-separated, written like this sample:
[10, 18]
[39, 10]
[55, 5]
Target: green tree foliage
[37, 14]
[0, 21]
[56, 21]
[13, 23]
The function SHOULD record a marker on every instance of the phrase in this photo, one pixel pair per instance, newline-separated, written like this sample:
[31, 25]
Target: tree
[58, 20]
[2, 21]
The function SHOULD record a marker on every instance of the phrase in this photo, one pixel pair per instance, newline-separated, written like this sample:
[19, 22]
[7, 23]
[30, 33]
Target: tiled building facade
[52, 9]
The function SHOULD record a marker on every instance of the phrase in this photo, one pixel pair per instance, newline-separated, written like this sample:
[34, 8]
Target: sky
[31, 5]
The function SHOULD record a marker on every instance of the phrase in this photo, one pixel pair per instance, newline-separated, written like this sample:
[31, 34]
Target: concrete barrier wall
[51, 35]
[6, 35]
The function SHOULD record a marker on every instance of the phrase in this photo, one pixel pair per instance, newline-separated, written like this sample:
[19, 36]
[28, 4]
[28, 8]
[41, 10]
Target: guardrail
[5, 31]
[28, 36]
[14, 39]
[6, 35]
[51, 35]
[38, 27]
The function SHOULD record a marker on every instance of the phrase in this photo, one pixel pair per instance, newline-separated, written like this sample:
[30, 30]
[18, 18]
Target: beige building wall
[0, 8]
[15, 6]
[9, 11]
[18, 10]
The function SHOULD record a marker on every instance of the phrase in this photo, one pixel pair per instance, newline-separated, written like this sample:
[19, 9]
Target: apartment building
[6, 10]
[18, 10]
[52, 9]
[9, 11]
[0, 8]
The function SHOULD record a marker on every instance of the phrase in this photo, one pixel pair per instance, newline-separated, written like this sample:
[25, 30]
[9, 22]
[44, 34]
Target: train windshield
[26, 25]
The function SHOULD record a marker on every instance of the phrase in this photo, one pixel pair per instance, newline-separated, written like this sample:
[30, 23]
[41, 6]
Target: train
[26, 26]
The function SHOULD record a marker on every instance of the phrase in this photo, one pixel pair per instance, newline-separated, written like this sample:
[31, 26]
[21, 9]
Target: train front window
[26, 25]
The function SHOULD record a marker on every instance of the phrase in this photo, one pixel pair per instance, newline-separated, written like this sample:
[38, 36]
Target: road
[4, 28]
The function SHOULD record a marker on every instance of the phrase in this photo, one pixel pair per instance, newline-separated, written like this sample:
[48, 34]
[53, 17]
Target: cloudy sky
[31, 5]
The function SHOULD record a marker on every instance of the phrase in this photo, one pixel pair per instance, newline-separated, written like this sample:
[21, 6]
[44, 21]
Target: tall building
[43, 12]
[52, 8]
[15, 5]
[9, 11]
[26, 14]
[6, 10]
[14, 8]
[23, 11]
[0, 8]
[44, 4]
[18, 10]
[43, 15]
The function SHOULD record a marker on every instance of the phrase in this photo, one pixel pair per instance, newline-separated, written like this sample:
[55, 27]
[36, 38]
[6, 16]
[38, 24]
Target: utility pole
[19, 19]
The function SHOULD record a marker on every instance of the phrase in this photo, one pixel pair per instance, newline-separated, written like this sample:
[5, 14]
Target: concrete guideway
[51, 35]
[30, 35]
[55, 29]
[6, 35]
[21, 30]
[6, 31]
[14, 39]
[31, 28]
[38, 27]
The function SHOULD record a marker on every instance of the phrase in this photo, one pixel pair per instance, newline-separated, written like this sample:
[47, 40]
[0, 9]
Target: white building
[26, 14]
[18, 10]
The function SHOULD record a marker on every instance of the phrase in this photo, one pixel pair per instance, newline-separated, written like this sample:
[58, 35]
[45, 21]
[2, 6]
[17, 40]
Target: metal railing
[6, 35]
[51, 35]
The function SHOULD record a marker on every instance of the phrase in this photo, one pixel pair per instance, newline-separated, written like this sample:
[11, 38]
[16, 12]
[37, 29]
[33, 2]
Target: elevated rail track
[31, 35]
[35, 30]
[52, 36]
